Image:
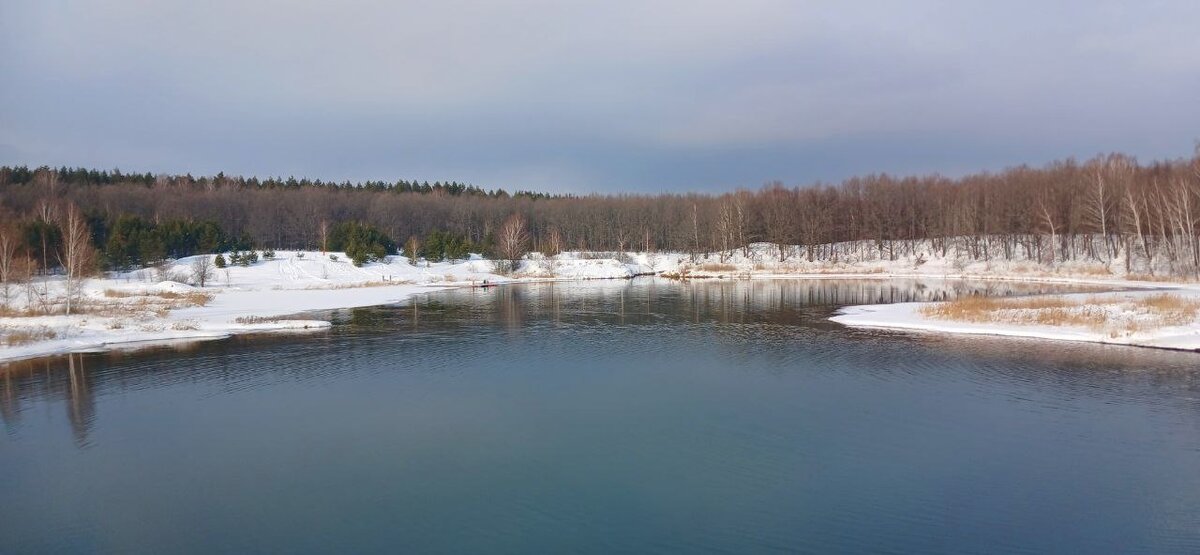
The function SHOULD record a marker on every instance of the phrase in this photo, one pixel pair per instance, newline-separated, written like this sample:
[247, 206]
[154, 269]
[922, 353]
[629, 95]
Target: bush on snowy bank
[361, 242]
[243, 259]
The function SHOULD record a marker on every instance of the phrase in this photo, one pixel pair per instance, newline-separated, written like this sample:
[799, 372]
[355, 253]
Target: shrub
[442, 245]
[269, 255]
[412, 250]
[504, 267]
[361, 242]
[220, 261]
[131, 241]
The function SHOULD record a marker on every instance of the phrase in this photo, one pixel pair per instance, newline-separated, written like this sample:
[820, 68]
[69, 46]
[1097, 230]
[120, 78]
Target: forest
[1102, 209]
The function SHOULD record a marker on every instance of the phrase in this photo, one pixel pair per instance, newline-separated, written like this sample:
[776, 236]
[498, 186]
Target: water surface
[640, 416]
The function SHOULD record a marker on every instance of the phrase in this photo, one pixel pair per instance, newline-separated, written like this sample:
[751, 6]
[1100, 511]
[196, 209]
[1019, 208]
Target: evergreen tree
[41, 240]
[361, 242]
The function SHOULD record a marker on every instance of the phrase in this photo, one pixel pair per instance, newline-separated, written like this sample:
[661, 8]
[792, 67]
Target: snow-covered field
[164, 304]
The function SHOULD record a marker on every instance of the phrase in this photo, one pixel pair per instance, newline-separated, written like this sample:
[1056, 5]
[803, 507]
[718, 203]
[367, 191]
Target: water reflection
[607, 417]
[63, 379]
[742, 315]
[81, 405]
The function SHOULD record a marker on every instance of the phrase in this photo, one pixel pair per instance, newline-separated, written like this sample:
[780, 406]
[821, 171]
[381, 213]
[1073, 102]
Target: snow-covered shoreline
[267, 296]
[912, 317]
[264, 297]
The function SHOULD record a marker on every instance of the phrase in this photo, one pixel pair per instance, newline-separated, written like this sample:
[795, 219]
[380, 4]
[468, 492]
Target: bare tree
[412, 248]
[780, 217]
[8, 263]
[1048, 220]
[77, 255]
[202, 269]
[739, 205]
[727, 230]
[554, 243]
[512, 239]
[1133, 219]
[323, 233]
[47, 179]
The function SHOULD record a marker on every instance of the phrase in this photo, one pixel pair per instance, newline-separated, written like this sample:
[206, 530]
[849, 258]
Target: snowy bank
[155, 305]
[152, 306]
[1118, 318]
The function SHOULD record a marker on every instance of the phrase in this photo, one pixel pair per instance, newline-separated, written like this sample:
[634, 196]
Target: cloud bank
[593, 96]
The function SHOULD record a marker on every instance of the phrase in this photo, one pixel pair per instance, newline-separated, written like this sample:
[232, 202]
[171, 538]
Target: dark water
[618, 417]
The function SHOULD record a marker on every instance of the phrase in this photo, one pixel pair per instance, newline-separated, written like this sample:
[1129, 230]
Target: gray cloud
[605, 96]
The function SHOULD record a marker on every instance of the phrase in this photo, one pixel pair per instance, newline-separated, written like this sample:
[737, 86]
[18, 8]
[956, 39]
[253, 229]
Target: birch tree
[77, 254]
[8, 263]
[512, 240]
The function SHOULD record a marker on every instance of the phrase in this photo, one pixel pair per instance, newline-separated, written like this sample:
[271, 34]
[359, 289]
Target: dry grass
[123, 304]
[717, 267]
[260, 319]
[682, 274]
[1092, 271]
[849, 270]
[1173, 310]
[1113, 315]
[827, 270]
[9, 312]
[980, 309]
[360, 284]
[1159, 278]
[1052, 311]
[186, 298]
[143, 304]
[115, 303]
[22, 336]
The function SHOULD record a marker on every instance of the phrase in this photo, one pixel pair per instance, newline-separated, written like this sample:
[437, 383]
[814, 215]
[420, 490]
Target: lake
[604, 417]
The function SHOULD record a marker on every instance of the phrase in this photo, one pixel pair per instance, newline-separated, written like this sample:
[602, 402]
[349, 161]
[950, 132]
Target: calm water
[638, 416]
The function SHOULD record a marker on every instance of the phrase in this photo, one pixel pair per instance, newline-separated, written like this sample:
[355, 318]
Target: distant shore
[140, 307]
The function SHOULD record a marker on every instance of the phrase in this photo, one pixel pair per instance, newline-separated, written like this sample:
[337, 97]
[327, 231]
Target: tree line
[84, 176]
[1108, 208]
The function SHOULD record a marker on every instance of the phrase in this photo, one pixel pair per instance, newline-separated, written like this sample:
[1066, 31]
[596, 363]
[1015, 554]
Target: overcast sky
[593, 96]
